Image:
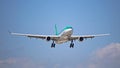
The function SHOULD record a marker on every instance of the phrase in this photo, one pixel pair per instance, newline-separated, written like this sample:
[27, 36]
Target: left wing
[82, 37]
[47, 37]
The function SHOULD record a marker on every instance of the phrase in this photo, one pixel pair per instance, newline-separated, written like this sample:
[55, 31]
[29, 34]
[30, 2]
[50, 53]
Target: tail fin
[56, 32]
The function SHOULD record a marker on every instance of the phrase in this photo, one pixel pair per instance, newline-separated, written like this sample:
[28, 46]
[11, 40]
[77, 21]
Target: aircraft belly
[62, 40]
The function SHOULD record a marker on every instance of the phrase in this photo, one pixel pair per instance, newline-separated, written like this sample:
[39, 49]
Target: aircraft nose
[70, 29]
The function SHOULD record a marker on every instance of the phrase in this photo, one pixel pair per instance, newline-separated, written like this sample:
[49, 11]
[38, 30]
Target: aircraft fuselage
[64, 36]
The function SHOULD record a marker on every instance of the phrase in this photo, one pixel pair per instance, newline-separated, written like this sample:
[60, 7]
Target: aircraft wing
[75, 37]
[53, 37]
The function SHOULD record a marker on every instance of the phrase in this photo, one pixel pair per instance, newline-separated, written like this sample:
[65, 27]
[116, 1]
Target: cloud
[20, 63]
[111, 51]
[8, 61]
[25, 63]
[107, 57]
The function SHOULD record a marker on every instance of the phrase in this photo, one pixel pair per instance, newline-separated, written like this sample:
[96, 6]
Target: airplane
[64, 36]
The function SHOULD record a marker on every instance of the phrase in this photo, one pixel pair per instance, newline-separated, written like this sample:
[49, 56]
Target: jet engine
[48, 38]
[81, 39]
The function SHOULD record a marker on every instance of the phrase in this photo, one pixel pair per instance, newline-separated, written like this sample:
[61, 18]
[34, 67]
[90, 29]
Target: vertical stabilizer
[56, 32]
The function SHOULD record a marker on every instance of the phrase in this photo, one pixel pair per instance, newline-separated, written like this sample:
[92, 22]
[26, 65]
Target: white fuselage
[64, 36]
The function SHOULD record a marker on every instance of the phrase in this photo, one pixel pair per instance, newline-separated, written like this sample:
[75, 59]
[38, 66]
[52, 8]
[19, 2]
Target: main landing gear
[53, 45]
[72, 44]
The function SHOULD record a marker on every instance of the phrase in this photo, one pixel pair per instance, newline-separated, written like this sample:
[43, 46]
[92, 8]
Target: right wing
[81, 37]
[52, 37]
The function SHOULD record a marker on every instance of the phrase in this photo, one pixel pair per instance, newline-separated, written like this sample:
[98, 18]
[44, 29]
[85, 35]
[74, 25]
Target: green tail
[56, 32]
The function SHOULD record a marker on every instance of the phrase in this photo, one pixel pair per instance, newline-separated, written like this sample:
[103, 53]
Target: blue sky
[40, 17]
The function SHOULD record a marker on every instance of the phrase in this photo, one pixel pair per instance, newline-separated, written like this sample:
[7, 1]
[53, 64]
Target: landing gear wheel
[72, 45]
[53, 45]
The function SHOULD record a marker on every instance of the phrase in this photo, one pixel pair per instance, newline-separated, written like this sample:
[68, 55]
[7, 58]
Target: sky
[40, 16]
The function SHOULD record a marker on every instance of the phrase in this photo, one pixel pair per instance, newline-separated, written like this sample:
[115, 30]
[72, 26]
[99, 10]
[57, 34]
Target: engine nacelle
[81, 39]
[48, 38]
